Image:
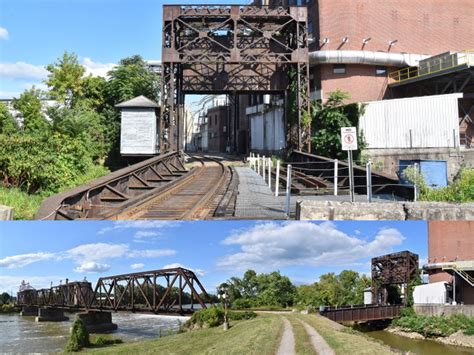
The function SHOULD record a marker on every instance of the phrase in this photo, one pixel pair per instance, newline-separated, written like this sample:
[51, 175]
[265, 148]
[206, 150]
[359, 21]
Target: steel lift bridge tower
[232, 49]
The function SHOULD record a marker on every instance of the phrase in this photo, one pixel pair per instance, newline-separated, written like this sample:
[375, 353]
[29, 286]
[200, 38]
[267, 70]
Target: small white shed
[139, 129]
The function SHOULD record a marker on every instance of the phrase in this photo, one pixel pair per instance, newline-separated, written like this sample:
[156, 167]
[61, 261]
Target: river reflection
[416, 346]
[24, 335]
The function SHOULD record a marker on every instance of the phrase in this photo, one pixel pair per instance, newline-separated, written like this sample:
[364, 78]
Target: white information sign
[138, 131]
[349, 138]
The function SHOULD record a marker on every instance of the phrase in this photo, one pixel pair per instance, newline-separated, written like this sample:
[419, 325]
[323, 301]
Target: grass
[24, 205]
[302, 341]
[257, 336]
[344, 342]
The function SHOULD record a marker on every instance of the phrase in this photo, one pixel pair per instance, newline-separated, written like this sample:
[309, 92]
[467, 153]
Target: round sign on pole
[349, 138]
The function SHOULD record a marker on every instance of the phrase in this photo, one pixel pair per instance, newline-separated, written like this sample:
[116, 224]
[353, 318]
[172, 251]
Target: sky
[34, 33]
[45, 252]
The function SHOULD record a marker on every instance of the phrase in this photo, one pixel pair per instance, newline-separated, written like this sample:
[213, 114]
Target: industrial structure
[233, 50]
[391, 278]
[450, 265]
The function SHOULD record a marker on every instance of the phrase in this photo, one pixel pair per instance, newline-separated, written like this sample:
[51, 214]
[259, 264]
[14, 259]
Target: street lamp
[223, 295]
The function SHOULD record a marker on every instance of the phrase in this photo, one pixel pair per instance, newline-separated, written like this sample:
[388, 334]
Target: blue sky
[34, 33]
[44, 252]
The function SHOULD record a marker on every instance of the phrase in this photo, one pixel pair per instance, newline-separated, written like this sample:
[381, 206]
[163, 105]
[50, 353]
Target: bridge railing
[362, 313]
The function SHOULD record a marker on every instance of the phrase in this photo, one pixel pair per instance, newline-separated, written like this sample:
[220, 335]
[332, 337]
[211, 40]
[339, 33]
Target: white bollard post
[288, 190]
[258, 164]
[277, 178]
[263, 167]
[415, 187]
[270, 173]
[336, 175]
[369, 180]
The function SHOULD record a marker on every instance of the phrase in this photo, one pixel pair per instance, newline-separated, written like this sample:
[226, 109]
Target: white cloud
[146, 234]
[22, 70]
[21, 260]
[97, 68]
[91, 267]
[3, 33]
[121, 225]
[199, 272]
[272, 245]
[97, 251]
[151, 253]
[137, 266]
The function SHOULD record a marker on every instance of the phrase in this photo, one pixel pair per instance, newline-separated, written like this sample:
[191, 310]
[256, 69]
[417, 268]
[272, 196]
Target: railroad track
[194, 198]
[157, 188]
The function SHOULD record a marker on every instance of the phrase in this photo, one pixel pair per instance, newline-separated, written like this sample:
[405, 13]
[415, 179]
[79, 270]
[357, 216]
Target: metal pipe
[365, 57]
[277, 178]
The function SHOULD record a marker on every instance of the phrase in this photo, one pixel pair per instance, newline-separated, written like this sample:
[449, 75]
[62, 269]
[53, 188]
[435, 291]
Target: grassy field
[257, 336]
[344, 340]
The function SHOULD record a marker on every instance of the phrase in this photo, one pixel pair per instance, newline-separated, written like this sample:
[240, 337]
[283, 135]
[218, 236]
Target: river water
[24, 335]
[415, 346]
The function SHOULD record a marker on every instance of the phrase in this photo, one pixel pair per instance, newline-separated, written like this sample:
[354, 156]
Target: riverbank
[261, 335]
[458, 338]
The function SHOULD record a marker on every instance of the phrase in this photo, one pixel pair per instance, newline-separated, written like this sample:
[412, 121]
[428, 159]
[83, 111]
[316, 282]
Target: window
[380, 71]
[215, 120]
[339, 69]
[310, 28]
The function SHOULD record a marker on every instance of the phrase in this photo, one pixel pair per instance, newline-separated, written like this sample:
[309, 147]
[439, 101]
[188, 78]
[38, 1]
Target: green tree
[29, 105]
[4, 298]
[92, 93]
[327, 123]
[131, 78]
[65, 78]
[79, 337]
[8, 124]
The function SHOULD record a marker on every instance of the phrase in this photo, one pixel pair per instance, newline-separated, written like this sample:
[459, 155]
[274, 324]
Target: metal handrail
[454, 60]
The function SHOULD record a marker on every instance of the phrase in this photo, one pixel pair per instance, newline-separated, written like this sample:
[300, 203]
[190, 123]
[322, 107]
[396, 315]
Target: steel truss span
[166, 291]
[231, 49]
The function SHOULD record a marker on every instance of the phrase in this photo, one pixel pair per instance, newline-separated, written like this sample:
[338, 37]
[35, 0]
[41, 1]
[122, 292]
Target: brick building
[217, 128]
[356, 43]
[451, 256]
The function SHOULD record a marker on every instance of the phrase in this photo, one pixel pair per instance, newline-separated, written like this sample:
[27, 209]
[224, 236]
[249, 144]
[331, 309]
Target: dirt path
[319, 344]
[287, 343]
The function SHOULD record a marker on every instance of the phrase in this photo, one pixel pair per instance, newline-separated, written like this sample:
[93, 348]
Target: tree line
[48, 149]
[275, 290]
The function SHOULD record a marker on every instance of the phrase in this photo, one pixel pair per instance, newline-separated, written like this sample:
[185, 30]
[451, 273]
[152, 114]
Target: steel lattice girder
[157, 291]
[224, 49]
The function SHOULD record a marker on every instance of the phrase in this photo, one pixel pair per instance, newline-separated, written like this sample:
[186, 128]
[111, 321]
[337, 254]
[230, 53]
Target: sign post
[349, 143]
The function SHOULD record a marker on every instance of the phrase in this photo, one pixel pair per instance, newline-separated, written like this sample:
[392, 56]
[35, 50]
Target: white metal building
[267, 129]
[418, 122]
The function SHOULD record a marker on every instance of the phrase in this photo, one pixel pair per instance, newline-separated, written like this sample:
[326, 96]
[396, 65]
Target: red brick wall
[218, 142]
[420, 26]
[360, 81]
[448, 240]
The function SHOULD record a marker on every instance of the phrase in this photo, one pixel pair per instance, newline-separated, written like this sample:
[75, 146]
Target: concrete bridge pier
[29, 311]
[97, 322]
[48, 314]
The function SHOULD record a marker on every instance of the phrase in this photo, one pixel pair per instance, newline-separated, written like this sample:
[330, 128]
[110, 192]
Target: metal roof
[139, 101]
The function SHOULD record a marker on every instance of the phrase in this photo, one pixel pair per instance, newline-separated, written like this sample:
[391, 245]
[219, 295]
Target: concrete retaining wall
[442, 309]
[6, 213]
[333, 210]
[29, 311]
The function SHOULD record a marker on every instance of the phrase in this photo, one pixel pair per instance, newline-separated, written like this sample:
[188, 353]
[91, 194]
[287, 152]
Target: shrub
[8, 308]
[41, 163]
[102, 341]
[242, 303]
[206, 318]
[433, 326]
[241, 315]
[79, 337]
